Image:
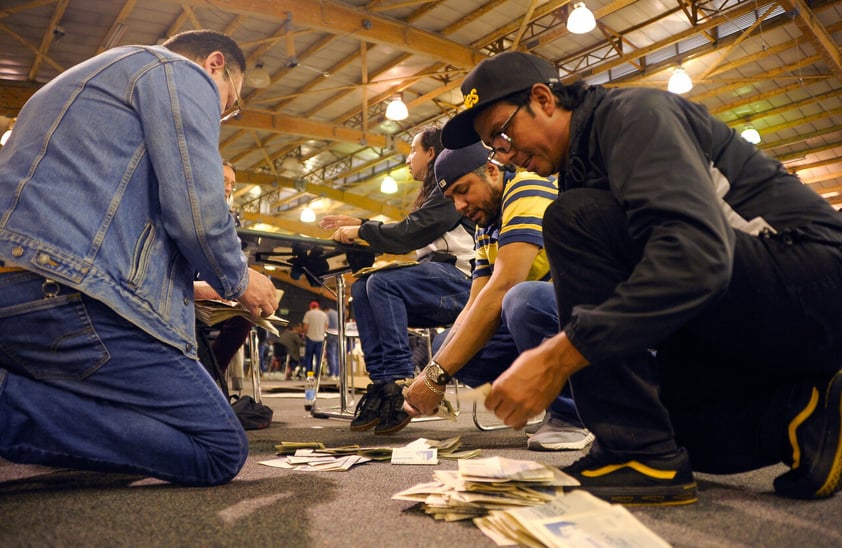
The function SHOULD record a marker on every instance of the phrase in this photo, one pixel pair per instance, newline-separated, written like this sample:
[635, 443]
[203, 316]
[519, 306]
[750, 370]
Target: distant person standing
[332, 341]
[315, 325]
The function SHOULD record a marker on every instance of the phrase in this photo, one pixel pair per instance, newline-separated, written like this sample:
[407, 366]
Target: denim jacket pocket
[51, 339]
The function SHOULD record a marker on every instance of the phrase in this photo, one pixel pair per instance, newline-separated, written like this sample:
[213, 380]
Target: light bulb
[5, 137]
[258, 77]
[581, 19]
[291, 164]
[396, 110]
[680, 81]
[308, 215]
[388, 186]
[751, 135]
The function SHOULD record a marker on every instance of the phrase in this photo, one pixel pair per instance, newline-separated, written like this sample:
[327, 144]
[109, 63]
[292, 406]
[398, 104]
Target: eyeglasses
[234, 109]
[500, 142]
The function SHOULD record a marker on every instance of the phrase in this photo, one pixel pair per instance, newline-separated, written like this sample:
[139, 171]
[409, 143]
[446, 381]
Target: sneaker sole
[400, 426]
[673, 495]
[363, 427]
[561, 446]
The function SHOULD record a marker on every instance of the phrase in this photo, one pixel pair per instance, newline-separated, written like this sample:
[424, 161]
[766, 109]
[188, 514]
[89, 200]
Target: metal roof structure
[334, 65]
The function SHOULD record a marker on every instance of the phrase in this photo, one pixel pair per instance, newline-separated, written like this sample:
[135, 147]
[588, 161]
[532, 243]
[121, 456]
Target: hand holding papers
[212, 312]
[477, 394]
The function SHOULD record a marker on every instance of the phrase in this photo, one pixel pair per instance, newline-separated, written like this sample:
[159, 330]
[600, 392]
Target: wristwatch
[435, 373]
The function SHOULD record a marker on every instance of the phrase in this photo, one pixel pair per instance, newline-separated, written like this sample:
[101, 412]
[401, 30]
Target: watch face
[439, 375]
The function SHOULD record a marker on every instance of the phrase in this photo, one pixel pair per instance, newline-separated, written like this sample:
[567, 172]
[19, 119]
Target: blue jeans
[312, 352]
[81, 387]
[529, 316]
[332, 354]
[388, 302]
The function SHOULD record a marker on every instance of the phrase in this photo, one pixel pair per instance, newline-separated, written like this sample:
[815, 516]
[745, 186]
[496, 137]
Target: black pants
[725, 384]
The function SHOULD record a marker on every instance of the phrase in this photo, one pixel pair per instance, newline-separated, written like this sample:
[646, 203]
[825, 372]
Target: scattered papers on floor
[314, 456]
[516, 502]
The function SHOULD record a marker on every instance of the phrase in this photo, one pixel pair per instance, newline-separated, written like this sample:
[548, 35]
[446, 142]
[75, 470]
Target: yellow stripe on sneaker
[634, 465]
[798, 421]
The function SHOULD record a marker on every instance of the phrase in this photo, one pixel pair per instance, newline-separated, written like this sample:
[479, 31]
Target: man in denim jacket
[110, 201]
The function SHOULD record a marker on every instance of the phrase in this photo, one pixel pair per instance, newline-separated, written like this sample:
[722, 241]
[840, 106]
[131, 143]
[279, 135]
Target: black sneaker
[392, 416]
[663, 482]
[367, 413]
[816, 446]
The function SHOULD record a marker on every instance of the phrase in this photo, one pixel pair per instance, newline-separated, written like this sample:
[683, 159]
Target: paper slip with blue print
[574, 519]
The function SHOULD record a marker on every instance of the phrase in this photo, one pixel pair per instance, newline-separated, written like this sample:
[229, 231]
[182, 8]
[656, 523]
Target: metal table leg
[344, 411]
[254, 362]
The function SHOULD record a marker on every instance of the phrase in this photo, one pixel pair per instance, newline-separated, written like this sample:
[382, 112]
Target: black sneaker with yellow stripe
[662, 481]
[815, 437]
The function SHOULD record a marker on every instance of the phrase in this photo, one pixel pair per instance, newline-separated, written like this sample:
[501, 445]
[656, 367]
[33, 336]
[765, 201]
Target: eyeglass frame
[237, 107]
[501, 133]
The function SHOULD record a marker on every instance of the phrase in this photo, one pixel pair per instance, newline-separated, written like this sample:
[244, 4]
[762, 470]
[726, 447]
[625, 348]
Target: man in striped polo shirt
[512, 305]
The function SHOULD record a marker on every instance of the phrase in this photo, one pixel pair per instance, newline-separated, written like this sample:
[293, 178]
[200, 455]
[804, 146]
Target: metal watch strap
[436, 373]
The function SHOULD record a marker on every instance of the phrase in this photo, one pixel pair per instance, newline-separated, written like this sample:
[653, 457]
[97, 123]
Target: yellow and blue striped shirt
[525, 198]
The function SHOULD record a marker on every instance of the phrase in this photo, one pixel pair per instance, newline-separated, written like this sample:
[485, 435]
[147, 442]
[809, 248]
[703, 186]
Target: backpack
[252, 415]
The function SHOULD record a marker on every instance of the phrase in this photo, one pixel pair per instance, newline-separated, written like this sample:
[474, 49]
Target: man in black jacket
[698, 286]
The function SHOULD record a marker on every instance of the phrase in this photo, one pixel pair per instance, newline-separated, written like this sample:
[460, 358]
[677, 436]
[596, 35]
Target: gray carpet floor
[267, 506]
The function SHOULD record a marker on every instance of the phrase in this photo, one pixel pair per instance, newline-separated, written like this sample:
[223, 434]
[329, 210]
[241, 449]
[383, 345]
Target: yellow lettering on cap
[472, 98]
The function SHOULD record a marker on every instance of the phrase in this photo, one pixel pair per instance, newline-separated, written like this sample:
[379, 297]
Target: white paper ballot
[414, 455]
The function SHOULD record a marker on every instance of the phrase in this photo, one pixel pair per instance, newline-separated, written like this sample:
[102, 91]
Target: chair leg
[492, 427]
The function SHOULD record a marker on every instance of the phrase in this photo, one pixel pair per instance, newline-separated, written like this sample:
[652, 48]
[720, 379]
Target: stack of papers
[483, 485]
[211, 312]
[522, 503]
[314, 456]
[575, 519]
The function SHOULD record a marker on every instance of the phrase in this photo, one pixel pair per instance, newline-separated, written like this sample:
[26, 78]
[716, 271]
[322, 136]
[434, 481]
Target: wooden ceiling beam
[290, 125]
[813, 30]
[346, 20]
[376, 207]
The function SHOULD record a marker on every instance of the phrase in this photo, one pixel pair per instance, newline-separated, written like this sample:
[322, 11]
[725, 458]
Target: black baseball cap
[452, 165]
[491, 80]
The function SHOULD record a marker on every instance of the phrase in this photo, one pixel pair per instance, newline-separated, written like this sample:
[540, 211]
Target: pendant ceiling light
[258, 77]
[751, 135]
[291, 165]
[8, 132]
[389, 185]
[581, 19]
[680, 81]
[396, 109]
[308, 215]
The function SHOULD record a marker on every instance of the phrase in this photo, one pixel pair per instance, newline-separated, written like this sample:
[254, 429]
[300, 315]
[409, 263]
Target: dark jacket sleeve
[431, 221]
[653, 148]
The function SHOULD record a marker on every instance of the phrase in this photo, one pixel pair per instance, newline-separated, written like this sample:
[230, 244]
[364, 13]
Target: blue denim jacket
[112, 184]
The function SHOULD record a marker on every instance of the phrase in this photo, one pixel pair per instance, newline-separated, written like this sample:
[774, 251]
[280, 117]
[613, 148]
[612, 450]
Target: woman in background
[428, 294]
